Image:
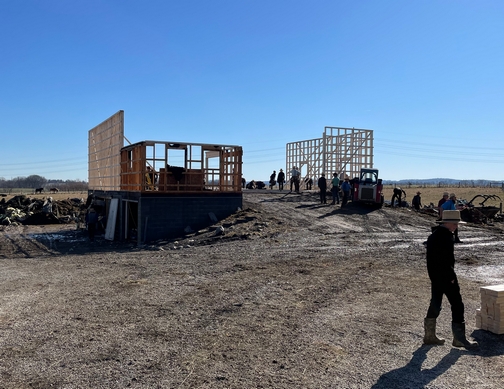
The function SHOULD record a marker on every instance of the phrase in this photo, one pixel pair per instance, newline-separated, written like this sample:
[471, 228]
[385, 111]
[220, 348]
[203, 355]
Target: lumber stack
[490, 316]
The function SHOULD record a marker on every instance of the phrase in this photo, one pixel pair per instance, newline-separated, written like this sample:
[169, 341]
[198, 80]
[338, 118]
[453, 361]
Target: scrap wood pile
[25, 210]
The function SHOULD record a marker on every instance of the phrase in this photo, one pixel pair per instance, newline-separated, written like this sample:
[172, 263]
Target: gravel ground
[293, 294]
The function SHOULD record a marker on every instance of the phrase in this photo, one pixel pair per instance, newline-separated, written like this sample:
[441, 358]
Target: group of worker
[280, 179]
[295, 179]
[295, 182]
[336, 187]
[440, 254]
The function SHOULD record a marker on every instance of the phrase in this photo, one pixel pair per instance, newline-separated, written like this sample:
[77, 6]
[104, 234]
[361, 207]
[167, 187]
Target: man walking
[440, 267]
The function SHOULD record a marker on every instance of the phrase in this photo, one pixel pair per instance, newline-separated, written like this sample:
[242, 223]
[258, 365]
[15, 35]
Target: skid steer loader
[368, 188]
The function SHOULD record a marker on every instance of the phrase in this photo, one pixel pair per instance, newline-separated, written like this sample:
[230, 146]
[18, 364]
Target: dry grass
[432, 194]
[55, 196]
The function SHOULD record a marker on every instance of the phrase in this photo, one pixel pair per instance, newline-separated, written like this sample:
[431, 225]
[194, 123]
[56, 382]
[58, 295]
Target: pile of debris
[24, 210]
[480, 213]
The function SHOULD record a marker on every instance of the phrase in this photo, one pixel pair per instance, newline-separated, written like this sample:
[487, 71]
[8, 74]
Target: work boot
[459, 337]
[430, 332]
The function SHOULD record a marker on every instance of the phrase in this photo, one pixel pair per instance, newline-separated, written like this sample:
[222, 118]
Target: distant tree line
[35, 181]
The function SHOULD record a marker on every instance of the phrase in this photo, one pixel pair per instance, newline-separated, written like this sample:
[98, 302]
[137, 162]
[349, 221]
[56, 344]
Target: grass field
[432, 194]
[56, 196]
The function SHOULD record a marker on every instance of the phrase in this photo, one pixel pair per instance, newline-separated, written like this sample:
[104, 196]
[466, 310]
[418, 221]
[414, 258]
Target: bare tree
[35, 181]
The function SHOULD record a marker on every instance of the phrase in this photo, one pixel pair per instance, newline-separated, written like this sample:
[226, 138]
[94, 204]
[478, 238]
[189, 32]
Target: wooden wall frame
[340, 150]
[164, 167]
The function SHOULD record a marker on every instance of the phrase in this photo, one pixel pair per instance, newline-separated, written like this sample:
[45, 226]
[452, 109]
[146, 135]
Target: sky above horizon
[426, 76]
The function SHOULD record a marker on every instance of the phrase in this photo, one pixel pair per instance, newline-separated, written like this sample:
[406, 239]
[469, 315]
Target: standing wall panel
[104, 153]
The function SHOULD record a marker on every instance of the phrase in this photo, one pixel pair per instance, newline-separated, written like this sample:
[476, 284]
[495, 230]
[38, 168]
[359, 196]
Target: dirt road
[292, 294]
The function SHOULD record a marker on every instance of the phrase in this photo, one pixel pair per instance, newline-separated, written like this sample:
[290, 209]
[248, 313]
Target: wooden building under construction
[152, 190]
[344, 151]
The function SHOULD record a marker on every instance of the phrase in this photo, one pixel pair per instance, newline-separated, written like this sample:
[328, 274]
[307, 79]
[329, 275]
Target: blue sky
[426, 76]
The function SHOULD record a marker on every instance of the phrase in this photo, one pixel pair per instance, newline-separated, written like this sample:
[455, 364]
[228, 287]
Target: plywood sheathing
[104, 158]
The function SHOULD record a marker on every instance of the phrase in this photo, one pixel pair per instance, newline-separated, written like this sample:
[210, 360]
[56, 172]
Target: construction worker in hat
[417, 201]
[281, 179]
[440, 267]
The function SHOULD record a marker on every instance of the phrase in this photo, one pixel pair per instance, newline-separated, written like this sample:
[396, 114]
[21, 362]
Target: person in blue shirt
[451, 205]
[345, 188]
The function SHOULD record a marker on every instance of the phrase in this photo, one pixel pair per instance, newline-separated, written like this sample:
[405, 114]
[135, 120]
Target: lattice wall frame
[340, 150]
[201, 167]
[104, 153]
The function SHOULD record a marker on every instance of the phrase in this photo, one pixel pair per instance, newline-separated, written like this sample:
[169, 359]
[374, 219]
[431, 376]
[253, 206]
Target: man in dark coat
[272, 181]
[281, 179]
[417, 201]
[440, 266]
[322, 184]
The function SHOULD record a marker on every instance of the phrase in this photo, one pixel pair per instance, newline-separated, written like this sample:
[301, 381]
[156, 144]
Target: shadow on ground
[413, 376]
